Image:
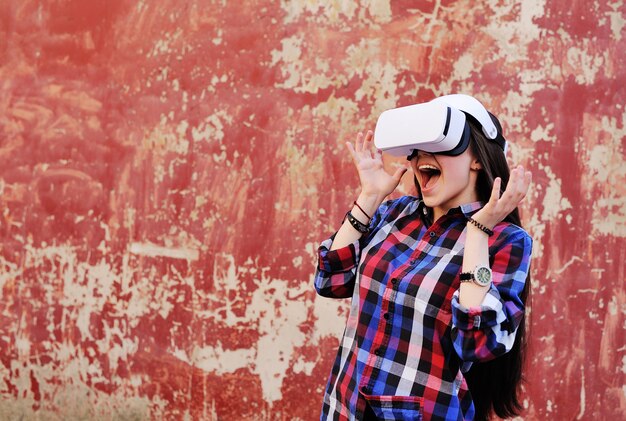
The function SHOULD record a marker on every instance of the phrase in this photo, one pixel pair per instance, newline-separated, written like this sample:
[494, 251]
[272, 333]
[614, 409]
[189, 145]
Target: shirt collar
[467, 209]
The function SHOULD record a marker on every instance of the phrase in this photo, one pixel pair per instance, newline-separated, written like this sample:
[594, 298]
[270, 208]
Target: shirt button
[394, 281]
[386, 316]
[378, 352]
[432, 234]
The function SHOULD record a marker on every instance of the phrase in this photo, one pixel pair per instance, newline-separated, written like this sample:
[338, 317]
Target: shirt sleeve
[487, 331]
[336, 271]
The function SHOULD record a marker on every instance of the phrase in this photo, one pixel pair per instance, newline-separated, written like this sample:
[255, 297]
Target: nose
[417, 153]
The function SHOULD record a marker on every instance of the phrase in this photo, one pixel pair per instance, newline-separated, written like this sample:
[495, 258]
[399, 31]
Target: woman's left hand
[498, 206]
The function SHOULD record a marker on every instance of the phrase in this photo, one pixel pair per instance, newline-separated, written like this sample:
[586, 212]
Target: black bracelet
[480, 226]
[358, 225]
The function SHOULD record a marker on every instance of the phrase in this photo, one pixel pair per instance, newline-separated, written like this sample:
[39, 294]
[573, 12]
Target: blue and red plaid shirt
[408, 341]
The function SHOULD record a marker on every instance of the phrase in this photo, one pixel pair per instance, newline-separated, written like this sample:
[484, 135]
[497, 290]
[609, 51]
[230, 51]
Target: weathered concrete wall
[167, 169]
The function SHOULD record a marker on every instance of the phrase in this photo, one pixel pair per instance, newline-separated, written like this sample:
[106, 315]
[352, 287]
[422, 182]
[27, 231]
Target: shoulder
[391, 209]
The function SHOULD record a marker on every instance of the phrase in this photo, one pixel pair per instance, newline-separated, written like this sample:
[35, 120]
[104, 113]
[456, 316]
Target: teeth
[428, 167]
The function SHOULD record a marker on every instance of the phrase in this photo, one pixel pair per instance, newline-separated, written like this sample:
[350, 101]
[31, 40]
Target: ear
[476, 165]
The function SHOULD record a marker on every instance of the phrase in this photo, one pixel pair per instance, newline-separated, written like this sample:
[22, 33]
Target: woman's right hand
[376, 184]
[375, 181]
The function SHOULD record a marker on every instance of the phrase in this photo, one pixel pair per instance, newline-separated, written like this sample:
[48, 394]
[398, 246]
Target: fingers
[523, 179]
[356, 150]
[528, 178]
[362, 142]
[369, 136]
[358, 143]
[495, 191]
[499, 206]
[362, 146]
[352, 151]
[367, 144]
[516, 189]
[399, 173]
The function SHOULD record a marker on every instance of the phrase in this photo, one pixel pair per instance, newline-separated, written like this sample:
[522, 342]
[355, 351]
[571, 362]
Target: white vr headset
[438, 126]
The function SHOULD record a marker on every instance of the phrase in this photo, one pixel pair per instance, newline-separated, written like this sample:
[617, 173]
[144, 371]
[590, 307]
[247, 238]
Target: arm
[336, 270]
[486, 331]
[485, 319]
[338, 256]
[477, 242]
[376, 184]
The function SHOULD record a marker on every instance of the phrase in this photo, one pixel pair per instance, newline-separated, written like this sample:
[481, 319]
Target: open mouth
[429, 175]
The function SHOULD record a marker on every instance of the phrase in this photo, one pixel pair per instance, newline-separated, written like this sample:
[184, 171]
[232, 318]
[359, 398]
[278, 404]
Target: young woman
[438, 284]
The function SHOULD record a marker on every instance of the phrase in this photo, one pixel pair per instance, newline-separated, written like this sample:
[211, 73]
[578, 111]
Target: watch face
[483, 275]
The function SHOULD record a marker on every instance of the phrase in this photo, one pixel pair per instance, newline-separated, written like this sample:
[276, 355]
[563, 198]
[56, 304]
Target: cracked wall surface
[168, 168]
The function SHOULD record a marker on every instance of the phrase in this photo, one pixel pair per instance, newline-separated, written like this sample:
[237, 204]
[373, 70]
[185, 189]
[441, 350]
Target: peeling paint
[168, 170]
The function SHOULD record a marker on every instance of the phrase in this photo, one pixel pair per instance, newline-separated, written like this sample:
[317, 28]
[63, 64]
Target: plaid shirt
[408, 340]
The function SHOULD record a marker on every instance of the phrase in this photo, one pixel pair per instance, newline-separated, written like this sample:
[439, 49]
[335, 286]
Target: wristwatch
[480, 276]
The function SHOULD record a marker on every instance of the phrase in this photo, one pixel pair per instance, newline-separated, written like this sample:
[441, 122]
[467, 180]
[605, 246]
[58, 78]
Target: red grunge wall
[168, 168]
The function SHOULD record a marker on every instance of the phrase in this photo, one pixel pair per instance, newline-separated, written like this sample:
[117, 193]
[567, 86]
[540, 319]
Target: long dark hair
[496, 385]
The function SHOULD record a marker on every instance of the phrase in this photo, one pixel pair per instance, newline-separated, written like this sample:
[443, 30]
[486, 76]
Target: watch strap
[466, 276]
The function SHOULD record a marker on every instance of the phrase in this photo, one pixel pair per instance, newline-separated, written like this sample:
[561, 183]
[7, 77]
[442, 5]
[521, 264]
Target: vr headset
[438, 126]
